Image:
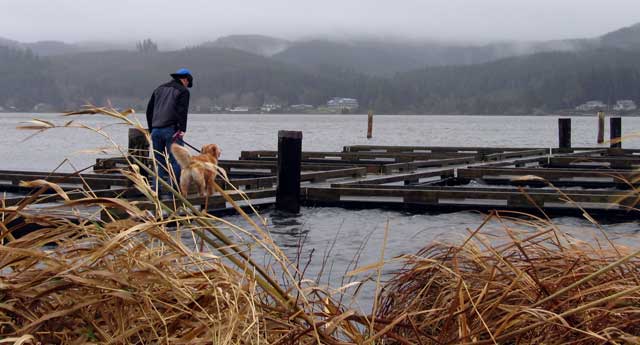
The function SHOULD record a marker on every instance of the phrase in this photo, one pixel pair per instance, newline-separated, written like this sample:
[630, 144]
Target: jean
[162, 139]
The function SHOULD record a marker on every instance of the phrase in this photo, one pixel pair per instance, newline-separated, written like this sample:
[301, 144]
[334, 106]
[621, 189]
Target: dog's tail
[181, 154]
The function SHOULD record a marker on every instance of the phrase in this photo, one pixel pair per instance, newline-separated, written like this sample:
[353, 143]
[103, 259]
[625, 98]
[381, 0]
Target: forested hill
[223, 76]
[625, 38]
[385, 58]
[26, 80]
[542, 82]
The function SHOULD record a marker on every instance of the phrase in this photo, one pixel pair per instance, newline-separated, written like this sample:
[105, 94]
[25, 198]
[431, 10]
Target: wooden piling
[564, 133]
[370, 125]
[289, 168]
[138, 144]
[600, 127]
[615, 124]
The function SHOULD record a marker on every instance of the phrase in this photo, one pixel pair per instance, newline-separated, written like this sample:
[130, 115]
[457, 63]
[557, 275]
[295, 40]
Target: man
[167, 120]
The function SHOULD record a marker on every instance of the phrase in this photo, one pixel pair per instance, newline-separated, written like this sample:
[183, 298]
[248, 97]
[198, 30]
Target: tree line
[544, 82]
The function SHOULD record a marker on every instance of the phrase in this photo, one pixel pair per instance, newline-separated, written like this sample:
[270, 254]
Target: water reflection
[288, 230]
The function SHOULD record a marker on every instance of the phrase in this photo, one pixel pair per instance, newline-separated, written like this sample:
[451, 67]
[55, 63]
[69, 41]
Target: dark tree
[147, 46]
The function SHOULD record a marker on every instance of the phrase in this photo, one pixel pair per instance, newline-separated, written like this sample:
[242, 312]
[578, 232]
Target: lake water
[235, 133]
[333, 233]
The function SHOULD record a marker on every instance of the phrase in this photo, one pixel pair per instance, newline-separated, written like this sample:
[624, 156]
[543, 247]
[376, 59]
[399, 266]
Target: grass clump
[522, 287]
[124, 282]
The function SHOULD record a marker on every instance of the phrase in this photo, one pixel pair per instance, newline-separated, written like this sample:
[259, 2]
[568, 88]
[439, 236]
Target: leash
[175, 139]
[191, 146]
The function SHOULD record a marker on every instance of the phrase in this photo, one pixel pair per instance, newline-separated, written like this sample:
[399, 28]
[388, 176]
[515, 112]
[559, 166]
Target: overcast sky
[192, 21]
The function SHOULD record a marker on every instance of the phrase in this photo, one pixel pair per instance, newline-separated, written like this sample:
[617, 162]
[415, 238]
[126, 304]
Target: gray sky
[193, 21]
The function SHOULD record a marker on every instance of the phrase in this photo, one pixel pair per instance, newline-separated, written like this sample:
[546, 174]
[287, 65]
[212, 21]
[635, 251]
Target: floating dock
[567, 180]
[420, 179]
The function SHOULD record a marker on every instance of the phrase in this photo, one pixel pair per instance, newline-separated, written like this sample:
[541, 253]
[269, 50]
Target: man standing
[167, 120]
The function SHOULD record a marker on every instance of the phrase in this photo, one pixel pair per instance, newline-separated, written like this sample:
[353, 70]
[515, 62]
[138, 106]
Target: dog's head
[211, 149]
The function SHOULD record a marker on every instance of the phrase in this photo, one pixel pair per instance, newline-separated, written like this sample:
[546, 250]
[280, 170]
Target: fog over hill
[374, 56]
[255, 44]
[389, 76]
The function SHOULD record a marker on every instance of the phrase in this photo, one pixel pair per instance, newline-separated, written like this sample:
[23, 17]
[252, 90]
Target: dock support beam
[615, 124]
[564, 133]
[600, 127]
[289, 168]
[370, 125]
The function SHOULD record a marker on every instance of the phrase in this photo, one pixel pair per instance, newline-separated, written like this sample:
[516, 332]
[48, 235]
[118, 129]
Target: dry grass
[522, 287]
[123, 282]
[136, 281]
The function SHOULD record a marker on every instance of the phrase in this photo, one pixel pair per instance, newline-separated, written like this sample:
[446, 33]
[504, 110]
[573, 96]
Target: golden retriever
[200, 169]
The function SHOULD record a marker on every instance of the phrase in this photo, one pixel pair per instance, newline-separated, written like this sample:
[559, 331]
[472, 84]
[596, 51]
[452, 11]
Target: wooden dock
[565, 180]
[419, 179]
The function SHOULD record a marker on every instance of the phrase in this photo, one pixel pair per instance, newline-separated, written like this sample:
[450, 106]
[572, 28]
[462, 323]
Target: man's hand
[178, 135]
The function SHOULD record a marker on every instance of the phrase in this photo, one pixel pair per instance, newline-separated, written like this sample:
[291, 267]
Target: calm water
[235, 133]
[330, 232]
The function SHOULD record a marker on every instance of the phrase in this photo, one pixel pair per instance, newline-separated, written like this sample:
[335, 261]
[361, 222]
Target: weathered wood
[271, 165]
[564, 133]
[356, 156]
[600, 138]
[138, 145]
[464, 196]
[616, 132]
[370, 125]
[558, 183]
[613, 162]
[289, 169]
[399, 178]
[480, 172]
[52, 198]
[518, 163]
[515, 154]
[215, 201]
[481, 189]
[93, 181]
[433, 149]
[326, 175]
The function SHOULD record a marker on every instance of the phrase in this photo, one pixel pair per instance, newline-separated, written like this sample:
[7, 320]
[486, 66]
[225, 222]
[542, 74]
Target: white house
[343, 103]
[591, 105]
[269, 107]
[240, 109]
[625, 105]
[301, 107]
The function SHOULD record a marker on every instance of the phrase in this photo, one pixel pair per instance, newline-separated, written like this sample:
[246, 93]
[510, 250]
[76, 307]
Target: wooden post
[564, 133]
[289, 168]
[370, 125]
[138, 145]
[600, 127]
[615, 124]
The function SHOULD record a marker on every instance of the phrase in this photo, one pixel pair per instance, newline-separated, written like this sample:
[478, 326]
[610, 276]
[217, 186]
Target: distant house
[301, 107]
[591, 105]
[241, 109]
[269, 107]
[625, 105]
[340, 103]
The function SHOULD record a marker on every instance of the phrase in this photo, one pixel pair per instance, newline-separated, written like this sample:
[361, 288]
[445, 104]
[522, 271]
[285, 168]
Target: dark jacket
[168, 106]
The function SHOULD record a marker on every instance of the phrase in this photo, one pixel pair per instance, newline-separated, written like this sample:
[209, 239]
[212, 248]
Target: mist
[187, 23]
